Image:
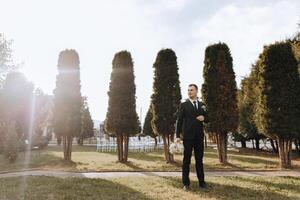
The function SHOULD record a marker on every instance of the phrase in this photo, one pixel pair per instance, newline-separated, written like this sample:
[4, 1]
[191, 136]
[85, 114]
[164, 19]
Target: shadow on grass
[133, 166]
[229, 191]
[253, 152]
[264, 160]
[75, 148]
[37, 160]
[143, 156]
[36, 188]
[233, 166]
[279, 186]
[244, 156]
[244, 152]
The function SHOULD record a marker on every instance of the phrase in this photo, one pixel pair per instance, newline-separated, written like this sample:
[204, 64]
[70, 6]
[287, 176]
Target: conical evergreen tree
[248, 106]
[121, 118]
[279, 99]
[87, 129]
[166, 97]
[67, 100]
[147, 128]
[219, 93]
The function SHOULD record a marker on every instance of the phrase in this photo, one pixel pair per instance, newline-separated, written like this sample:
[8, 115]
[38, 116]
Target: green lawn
[87, 159]
[147, 188]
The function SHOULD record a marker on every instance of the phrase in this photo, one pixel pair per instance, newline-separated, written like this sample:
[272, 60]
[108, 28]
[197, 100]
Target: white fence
[144, 144]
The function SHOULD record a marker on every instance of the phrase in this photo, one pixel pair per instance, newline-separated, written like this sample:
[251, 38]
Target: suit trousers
[190, 145]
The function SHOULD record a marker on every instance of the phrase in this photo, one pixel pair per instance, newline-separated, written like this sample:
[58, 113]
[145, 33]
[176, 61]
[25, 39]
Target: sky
[98, 29]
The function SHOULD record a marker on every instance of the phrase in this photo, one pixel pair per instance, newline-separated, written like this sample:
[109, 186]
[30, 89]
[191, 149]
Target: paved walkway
[63, 174]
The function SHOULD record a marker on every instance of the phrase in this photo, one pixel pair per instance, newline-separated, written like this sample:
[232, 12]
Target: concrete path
[63, 174]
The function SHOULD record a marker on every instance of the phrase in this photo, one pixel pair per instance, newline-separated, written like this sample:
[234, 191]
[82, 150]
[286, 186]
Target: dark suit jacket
[187, 124]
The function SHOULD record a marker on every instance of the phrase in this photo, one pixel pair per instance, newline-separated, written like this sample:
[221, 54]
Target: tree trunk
[80, 141]
[166, 148]
[70, 140]
[64, 138]
[297, 146]
[222, 146]
[205, 140]
[243, 144]
[212, 138]
[276, 145]
[126, 143]
[170, 139]
[284, 152]
[253, 146]
[120, 147]
[155, 140]
[257, 144]
[67, 146]
[58, 139]
[275, 150]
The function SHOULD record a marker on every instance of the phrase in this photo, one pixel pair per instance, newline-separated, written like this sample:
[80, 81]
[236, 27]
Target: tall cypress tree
[166, 97]
[147, 128]
[87, 124]
[67, 100]
[121, 118]
[219, 93]
[296, 50]
[248, 106]
[240, 135]
[279, 99]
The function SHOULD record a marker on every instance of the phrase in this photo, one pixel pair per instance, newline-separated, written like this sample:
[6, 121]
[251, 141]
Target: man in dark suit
[191, 115]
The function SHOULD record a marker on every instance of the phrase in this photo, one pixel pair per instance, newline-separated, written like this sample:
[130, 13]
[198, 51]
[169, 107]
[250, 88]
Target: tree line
[267, 104]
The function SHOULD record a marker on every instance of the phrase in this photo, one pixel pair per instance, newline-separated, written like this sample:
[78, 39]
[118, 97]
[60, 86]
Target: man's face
[192, 92]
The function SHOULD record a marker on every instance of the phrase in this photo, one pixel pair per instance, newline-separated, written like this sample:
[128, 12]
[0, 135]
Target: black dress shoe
[186, 188]
[202, 185]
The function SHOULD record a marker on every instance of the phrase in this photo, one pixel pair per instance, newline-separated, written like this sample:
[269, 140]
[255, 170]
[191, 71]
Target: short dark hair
[190, 85]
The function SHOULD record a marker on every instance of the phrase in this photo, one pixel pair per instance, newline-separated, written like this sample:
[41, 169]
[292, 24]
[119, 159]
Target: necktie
[195, 104]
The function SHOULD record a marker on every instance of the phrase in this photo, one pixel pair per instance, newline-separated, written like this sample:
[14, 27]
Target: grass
[87, 159]
[148, 188]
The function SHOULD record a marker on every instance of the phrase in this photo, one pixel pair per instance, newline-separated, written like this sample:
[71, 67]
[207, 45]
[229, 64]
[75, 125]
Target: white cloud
[246, 28]
[162, 6]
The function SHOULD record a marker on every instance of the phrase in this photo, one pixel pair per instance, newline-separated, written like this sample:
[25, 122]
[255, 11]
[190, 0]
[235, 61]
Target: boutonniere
[203, 107]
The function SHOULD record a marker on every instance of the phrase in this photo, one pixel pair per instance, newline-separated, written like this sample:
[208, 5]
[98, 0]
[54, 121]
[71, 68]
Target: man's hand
[200, 118]
[177, 140]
